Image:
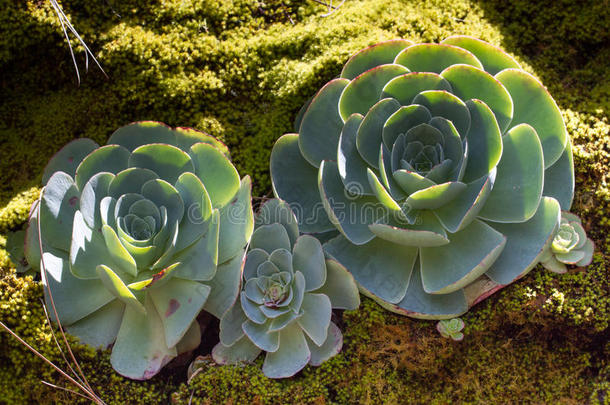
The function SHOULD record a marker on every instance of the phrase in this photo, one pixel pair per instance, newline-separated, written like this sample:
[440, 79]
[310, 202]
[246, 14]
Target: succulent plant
[570, 246]
[289, 290]
[137, 237]
[15, 250]
[443, 166]
[451, 328]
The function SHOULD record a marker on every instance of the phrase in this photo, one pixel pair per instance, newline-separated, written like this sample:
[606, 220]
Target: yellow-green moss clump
[241, 69]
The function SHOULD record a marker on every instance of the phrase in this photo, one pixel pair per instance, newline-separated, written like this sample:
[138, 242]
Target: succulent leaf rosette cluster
[443, 166]
[285, 306]
[137, 237]
[570, 246]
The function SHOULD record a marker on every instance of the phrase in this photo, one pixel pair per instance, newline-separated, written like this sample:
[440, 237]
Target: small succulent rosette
[443, 166]
[570, 246]
[137, 237]
[451, 328]
[285, 306]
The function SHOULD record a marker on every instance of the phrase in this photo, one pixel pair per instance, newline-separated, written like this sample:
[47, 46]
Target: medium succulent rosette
[570, 246]
[285, 306]
[137, 237]
[443, 166]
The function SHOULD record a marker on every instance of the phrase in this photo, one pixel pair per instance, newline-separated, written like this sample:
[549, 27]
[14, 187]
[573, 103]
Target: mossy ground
[240, 70]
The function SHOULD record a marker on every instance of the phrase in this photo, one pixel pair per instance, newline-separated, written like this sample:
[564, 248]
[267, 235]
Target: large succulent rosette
[443, 166]
[137, 237]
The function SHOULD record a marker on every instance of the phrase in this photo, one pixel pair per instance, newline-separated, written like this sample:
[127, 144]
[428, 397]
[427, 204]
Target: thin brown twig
[46, 314]
[45, 284]
[37, 353]
[65, 389]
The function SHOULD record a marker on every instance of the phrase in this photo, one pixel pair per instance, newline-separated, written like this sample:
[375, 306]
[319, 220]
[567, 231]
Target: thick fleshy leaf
[34, 243]
[299, 118]
[484, 141]
[296, 182]
[117, 287]
[469, 254]
[109, 158]
[99, 329]
[435, 57]
[465, 207]
[282, 258]
[559, 179]
[571, 257]
[93, 193]
[70, 307]
[242, 351]
[535, 106]
[299, 292]
[350, 214]
[308, 258]
[279, 211]
[251, 310]
[330, 348]
[150, 280]
[167, 161]
[230, 325]
[375, 55]
[88, 249]
[587, 249]
[419, 304]
[216, 172]
[382, 194]
[68, 158]
[197, 206]
[187, 137]
[254, 259]
[292, 355]
[401, 121]
[236, 222]
[380, 267]
[178, 303]
[339, 287]
[225, 286]
[199, 261]
[365, 90]
[411, 182]
[469, 83]
[270, 237]
[370, 130]
[140, 350]
[261, 337]
[519, 179]
[191, 339]
[444, 104]
[352, 168]
[141, 133]
[164, 194]
[130, 180]
[321, 125]
[58, 204]
[426, 231]
[525, 242]
[555, 265]
[404, 88]
[120, 256]
[316, 317]
[385, 171]
[492, 58]
[435, 196]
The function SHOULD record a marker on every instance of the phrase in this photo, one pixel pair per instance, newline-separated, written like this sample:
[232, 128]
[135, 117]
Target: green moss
[241, 70]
